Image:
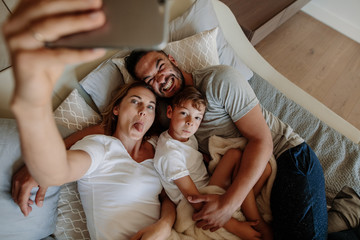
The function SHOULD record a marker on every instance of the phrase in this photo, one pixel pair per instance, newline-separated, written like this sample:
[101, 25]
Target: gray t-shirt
[230, 97]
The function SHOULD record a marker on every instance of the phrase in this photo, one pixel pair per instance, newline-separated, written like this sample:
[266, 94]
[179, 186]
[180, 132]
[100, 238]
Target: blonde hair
[109, 119]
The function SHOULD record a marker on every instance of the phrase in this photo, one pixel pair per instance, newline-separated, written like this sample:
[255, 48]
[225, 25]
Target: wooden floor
[320, 60]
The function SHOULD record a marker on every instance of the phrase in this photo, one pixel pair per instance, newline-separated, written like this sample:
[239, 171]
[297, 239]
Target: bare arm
[36, 70]
[255, 156]
[168, 210]
[188, 188]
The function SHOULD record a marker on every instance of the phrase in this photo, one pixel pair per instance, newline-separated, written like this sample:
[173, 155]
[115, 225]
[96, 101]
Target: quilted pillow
[191, 53]
[74, 114]
[200, 17]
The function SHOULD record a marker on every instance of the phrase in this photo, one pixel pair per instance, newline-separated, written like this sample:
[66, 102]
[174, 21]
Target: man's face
[161, 73]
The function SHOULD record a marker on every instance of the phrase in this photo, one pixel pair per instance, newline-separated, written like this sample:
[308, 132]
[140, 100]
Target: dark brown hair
[133, 58]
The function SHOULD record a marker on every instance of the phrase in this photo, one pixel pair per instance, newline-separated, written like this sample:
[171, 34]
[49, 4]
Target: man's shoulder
[214, 73]
[215, 69]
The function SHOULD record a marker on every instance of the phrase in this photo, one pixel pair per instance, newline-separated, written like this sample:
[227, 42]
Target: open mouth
[168, 84]
[139, 126]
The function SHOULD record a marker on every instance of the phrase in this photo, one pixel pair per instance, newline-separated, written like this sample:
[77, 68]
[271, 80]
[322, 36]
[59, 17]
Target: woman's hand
[156, 231]
[214, 213]
[22, 184]
[34, 22]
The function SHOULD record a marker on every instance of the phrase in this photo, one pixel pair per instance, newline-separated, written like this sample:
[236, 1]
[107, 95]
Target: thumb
[197, 198]
[40, 196]
[253, 223]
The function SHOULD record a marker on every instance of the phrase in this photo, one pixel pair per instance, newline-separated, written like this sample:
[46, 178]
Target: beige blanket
[185, 229]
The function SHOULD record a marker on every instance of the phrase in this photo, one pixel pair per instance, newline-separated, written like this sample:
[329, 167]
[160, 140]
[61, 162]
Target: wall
[343, 15]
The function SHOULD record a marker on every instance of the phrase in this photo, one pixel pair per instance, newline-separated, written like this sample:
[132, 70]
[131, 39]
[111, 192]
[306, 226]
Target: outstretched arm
[36, 70]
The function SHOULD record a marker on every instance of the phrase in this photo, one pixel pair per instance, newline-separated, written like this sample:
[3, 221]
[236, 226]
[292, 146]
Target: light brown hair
[192, 94]
[109, 121]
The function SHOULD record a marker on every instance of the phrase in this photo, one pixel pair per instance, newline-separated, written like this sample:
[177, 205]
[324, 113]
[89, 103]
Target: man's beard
[178, 74]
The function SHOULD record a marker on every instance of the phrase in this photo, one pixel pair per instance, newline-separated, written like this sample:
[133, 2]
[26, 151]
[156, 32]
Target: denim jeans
[298, 201]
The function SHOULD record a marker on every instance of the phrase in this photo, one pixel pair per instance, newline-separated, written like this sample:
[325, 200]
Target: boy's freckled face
[184, 120]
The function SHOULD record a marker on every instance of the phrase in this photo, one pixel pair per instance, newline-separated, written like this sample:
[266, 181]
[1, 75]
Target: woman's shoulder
[153, 141]
[94, 139]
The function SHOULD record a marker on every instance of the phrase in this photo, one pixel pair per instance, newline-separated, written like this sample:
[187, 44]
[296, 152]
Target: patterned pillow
[74, 114]
[191, 53]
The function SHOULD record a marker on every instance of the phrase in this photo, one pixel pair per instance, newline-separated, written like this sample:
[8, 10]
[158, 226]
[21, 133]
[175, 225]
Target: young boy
[183, 171]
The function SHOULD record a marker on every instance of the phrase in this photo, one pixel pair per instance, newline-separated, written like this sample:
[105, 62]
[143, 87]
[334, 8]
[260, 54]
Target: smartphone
[129, 24]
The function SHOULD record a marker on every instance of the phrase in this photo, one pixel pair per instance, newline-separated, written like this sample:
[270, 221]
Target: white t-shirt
[174, 159]
[119, 195]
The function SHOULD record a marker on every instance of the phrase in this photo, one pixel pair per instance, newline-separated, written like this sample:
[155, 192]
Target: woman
[115, 173]
[106, 166]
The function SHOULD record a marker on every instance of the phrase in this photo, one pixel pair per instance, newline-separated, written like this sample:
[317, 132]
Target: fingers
[40, 196]
[199, 215]
[22, 184]
[56, 59]
[38, 21]
[53, 28]
[253, 223]
[201, 224]
[213, 229]
[29, 11]
[21, 197]
[198, 198]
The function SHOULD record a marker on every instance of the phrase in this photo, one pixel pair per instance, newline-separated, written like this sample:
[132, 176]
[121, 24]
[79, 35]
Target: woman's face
[136, 113]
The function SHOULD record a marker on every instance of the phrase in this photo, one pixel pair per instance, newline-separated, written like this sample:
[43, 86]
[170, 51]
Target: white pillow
[199, 17]
[74, 113]
[191, 53]
[103, 80]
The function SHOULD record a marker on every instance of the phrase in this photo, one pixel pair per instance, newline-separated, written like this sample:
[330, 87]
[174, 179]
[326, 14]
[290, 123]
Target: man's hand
[214, 213]
[156, 231]
[22, 184]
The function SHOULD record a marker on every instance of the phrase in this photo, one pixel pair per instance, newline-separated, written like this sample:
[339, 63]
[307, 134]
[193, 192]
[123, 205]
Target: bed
[209, 30]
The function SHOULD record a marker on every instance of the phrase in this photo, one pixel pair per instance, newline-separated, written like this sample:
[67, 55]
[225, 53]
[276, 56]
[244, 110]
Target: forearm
[188, 188]
[168, 212]
[42, 146]
[255, 157]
